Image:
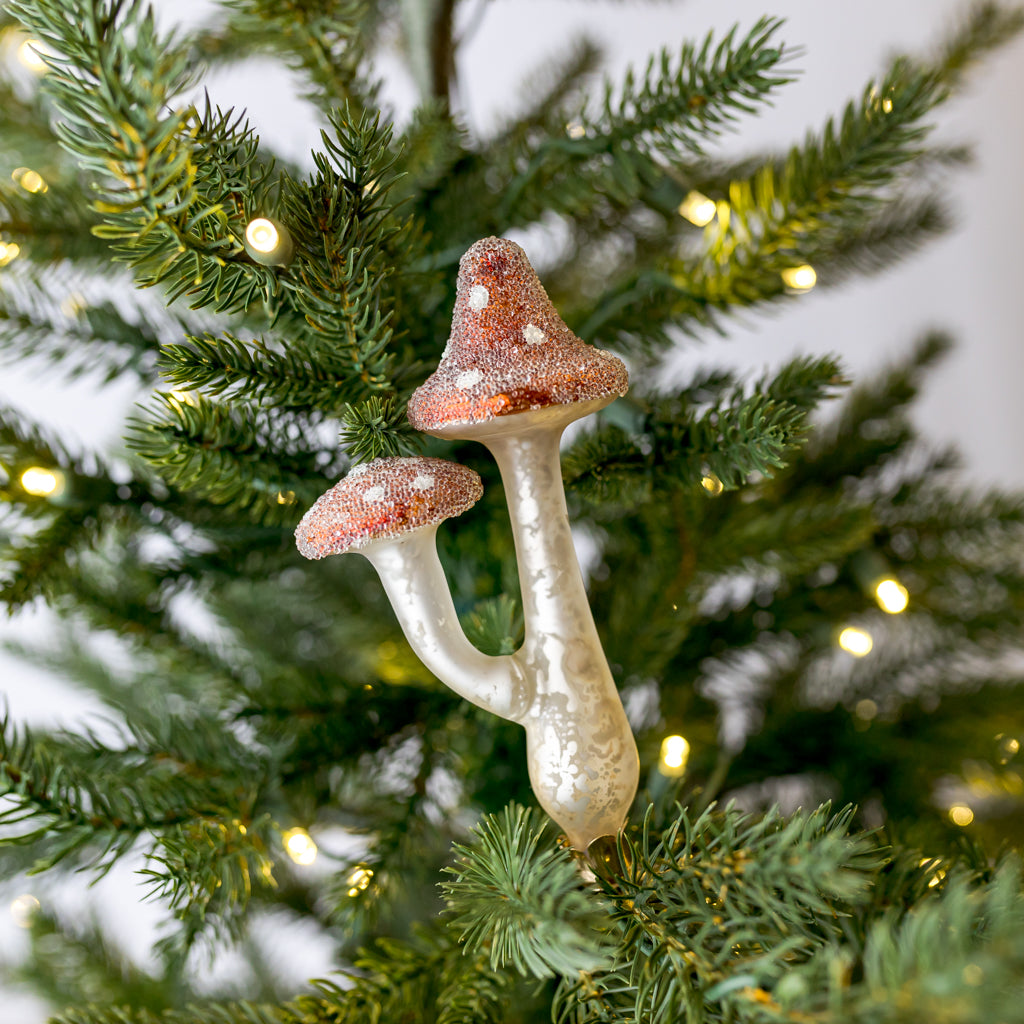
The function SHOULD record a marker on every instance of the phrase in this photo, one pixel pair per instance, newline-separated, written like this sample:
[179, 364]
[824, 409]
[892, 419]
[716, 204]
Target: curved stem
[583, 759]
[415, 583]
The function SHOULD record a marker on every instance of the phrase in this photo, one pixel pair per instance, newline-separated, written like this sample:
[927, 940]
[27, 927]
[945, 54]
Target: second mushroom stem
[415, 583]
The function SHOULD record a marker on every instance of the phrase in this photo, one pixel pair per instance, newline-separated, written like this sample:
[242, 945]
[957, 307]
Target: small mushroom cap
[509, 351]
[384, 499]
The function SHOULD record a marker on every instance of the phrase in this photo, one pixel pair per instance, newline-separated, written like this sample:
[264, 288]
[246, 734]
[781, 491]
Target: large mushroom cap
[509, 350]
[384, 499]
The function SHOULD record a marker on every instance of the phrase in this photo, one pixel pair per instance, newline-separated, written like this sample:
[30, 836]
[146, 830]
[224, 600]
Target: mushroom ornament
[512, 377]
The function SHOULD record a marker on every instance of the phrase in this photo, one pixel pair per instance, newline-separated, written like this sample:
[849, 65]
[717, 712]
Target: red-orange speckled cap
[509, 350]
[386, 498]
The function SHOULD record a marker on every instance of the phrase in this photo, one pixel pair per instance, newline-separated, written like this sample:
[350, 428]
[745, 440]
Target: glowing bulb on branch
[31, 54]
[712, 483]
[892, 596]
[29, 180]
[268, 242]
[42, 483]
[697, 208]
[8, 252]
[23, 909]
[359, 881]
[961, 814]
[856, 641]
[800, 279]
[300, 846]
[675, 752]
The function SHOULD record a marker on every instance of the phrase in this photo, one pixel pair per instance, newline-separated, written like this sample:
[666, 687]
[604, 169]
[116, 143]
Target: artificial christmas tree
[813, 603]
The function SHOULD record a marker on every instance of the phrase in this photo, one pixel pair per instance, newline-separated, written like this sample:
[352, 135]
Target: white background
[971, 282]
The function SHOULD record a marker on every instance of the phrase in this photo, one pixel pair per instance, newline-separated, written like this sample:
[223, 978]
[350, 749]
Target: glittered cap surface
[509, 350]
[385, 498]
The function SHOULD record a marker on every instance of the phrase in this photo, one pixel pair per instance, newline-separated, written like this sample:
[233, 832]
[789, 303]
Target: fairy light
[8, 252]
[268, 242]
[23, 909]
[866, 709]
[675, 752]
[800, 279]
[697, 208]
[1008, 747]
[856, 641]
[285, 497]
[31, 54]
[887, 105]
[575, 130]
[961, 814]
[712, 483]
[359, 881]
[29, 180]
[42, 483]
[300, 846]
[262, 235]
[937, 873]
[892, 596]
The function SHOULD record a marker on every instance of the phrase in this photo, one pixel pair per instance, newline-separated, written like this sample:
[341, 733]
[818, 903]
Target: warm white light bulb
[8, 252]
[856, 641]
[800, 279]
[575, 130]
[892, 596]
[268, 242]
[30, 181]
[359, 881]
[712, 484]
[300, 846]
[30, 53]
[23, 909]
[961, 814]
[697, 208]
[262, 235]
[675, 752]
[42, 483]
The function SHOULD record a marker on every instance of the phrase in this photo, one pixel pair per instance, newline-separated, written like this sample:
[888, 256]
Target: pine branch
[344, 223]
[300, 377]
[324, 40]
[159, 210]
[777, 219]
[519, 895]
[232, 455]
[95, 339]
[81, 964]
[377, 428]
[719, 907]
[677, 444]
[678, 102]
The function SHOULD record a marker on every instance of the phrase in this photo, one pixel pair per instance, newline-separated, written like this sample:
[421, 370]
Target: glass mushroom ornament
[512, 377]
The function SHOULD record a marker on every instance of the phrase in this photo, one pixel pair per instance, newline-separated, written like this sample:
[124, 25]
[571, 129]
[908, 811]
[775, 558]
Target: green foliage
[249, 691]
[377, 428]
[714, 429]
[523, 901]
[680, 101]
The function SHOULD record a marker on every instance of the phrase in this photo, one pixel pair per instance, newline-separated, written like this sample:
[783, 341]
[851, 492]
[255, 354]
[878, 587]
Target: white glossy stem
[414, 581]
[582, 756]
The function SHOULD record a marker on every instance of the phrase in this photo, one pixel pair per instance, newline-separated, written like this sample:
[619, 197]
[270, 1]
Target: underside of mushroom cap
[509, 350]
[385, 499]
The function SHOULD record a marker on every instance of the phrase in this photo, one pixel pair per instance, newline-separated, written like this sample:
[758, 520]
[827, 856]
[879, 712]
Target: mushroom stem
[582, 756]
[415, 583]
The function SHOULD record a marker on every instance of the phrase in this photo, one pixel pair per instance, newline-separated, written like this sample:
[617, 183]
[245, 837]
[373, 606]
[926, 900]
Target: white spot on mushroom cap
[534, 335]
[468, 378]
[423, 482]
[373, 494]
[479, 296]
